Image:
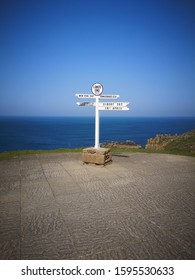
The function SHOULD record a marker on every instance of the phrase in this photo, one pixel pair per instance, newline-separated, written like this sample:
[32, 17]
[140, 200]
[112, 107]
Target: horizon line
[90, 116]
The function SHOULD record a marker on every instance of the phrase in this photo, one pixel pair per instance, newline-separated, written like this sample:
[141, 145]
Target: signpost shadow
[119, 155]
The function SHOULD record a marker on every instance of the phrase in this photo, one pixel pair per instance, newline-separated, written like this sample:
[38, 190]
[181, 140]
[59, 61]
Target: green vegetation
[183, 144]
[173, 152]
[14, 154]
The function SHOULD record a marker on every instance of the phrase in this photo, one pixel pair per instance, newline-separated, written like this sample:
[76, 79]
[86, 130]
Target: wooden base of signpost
[97, 156]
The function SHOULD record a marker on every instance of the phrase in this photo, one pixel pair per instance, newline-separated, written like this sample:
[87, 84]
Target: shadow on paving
[119, 155]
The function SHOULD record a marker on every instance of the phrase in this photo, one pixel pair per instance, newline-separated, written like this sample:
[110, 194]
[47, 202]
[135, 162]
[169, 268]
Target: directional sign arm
[115, 104]
[86, 103]
[79, 95]
[111, 108]
[109, 96]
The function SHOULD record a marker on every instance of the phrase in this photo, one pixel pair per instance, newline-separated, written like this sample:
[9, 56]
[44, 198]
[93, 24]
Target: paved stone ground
[141, 206]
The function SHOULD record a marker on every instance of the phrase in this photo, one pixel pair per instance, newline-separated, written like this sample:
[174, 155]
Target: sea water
[21, 133]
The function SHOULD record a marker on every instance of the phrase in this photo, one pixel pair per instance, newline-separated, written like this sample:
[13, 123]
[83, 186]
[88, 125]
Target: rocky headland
[161, 142]
[182, 142]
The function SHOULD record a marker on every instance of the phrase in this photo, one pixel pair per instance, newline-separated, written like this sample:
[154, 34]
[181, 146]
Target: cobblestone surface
[142, 206]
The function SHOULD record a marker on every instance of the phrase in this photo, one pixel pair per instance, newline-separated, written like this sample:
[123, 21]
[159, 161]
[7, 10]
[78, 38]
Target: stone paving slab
[142, 206]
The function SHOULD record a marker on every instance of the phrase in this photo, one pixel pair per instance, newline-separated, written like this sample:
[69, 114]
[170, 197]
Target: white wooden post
[97, 124]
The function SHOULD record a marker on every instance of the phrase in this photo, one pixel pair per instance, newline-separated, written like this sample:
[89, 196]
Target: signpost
[97, 90]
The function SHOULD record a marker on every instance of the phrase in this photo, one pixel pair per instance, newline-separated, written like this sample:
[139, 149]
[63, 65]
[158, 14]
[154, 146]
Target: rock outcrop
[183, 142]
[160, 142]
[175, 143]
[127, 144]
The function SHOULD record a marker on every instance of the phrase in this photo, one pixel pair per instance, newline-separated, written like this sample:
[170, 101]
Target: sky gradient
[142, 50]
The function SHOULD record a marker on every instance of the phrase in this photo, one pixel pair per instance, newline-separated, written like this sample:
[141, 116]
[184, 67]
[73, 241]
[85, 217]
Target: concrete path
[142, 206]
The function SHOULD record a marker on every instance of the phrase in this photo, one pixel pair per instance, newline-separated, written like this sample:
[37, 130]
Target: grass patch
[172, 152]
[182, 144]
[15, 154]
[9, 155]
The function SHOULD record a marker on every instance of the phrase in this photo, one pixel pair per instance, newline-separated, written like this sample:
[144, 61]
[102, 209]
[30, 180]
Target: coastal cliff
[162, 142]
[183, 142]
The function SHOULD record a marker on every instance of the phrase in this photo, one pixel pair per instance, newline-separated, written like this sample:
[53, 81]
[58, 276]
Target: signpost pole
[99, 155]
[97, 123]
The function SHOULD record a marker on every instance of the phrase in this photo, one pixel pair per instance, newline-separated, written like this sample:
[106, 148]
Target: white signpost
[97, 90]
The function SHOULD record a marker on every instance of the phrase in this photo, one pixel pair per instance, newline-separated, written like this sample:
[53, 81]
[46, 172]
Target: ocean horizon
[53, 132]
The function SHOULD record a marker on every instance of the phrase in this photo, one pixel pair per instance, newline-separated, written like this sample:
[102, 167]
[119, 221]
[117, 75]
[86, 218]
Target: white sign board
[109, 96]
[110, 108]
[104, 104]
[121, 104]
[80, 95]
[85, 95]
[86, 103]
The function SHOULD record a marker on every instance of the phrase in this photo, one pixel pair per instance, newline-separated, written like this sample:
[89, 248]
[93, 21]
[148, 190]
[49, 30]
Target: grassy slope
[184, 142]
[174, 152]
[9, 155]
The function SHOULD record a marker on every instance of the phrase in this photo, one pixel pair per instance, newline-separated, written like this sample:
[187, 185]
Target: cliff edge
[183, 142]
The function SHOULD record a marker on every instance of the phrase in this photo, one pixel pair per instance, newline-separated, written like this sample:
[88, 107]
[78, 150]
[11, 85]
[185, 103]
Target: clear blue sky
[142, 50]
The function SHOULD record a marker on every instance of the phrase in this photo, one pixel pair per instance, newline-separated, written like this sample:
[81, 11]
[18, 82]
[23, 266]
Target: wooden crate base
[97, 156]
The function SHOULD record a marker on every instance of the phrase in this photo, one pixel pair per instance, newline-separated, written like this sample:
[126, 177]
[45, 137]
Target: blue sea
[21, 133]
